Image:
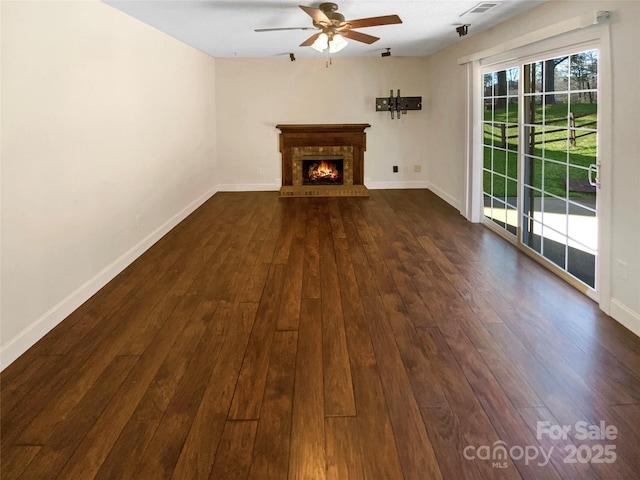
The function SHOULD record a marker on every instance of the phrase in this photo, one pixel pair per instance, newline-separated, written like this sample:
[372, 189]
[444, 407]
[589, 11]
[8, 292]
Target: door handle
[594, 168]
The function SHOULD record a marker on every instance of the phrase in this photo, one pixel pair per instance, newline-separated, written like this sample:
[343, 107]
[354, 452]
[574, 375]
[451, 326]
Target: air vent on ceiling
[481, 7]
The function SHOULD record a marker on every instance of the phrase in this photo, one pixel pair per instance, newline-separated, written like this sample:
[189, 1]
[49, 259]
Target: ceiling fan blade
[285, 28]
[309, 41]
[374, 21]
[359, 37]
[317, 15]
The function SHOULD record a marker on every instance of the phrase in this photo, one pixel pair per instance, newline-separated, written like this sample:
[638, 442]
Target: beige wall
[445, 82]
[254, 95]
[105, 121]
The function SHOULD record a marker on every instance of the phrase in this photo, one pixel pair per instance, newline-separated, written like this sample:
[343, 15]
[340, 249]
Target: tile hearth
[324, 191]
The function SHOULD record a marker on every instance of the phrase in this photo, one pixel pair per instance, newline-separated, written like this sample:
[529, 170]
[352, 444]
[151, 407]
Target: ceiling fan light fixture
[321, 42]
[333, 28]
[337, 43]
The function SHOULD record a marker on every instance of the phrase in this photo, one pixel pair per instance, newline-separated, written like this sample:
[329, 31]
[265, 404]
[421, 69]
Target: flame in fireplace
[323, 170]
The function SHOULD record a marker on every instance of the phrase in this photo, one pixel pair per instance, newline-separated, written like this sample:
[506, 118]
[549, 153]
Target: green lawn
[555, 164]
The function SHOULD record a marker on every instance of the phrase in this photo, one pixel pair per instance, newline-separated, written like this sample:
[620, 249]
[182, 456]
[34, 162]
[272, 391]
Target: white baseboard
[395, 185]
[626, 316]
[41, 326]
[248, 187]
[268, 187]
[454, 202]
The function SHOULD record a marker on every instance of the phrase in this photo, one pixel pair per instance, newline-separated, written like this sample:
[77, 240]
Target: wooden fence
[504, 130]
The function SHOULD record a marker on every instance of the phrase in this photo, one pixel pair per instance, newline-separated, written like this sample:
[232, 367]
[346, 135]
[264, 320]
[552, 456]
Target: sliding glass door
[540, 162]
[500, 148]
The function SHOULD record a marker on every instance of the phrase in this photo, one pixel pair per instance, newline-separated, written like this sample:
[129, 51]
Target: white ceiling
[225, 28]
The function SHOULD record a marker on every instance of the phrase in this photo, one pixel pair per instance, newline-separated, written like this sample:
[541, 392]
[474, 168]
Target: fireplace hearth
[323, 160]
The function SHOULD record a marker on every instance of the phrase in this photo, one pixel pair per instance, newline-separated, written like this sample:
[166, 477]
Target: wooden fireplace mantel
[323, 128]
[323, 135]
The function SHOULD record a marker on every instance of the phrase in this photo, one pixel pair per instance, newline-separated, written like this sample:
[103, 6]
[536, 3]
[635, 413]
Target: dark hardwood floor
[343, 338]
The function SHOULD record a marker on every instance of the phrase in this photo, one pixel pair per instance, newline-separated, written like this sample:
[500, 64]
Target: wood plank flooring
[326, 338]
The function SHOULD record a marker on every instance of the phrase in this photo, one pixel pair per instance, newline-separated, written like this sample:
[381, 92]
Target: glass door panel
[500, 139]
[559, 151]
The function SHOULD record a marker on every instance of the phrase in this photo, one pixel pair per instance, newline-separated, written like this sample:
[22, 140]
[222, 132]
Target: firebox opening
[322, 171]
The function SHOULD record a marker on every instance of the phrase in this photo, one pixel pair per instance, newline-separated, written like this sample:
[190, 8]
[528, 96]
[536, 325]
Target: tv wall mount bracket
[398, 104]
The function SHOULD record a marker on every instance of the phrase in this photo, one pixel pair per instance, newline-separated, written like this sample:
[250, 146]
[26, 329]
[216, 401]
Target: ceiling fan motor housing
[331, 11]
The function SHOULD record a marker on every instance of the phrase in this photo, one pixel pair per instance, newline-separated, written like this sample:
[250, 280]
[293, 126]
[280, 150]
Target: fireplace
[322, 160]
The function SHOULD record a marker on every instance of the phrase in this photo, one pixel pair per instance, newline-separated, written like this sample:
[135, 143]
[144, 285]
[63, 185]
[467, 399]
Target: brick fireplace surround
[304, 141]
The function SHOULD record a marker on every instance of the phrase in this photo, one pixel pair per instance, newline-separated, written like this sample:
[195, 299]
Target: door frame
[569, 36]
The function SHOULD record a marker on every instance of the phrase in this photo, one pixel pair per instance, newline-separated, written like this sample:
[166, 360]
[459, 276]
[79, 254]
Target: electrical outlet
[621, 269]
[395, 169]
[259, 171]
[417, 168]
[138, 220]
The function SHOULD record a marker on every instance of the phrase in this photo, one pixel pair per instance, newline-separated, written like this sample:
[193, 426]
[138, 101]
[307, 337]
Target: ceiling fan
[334, 28]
